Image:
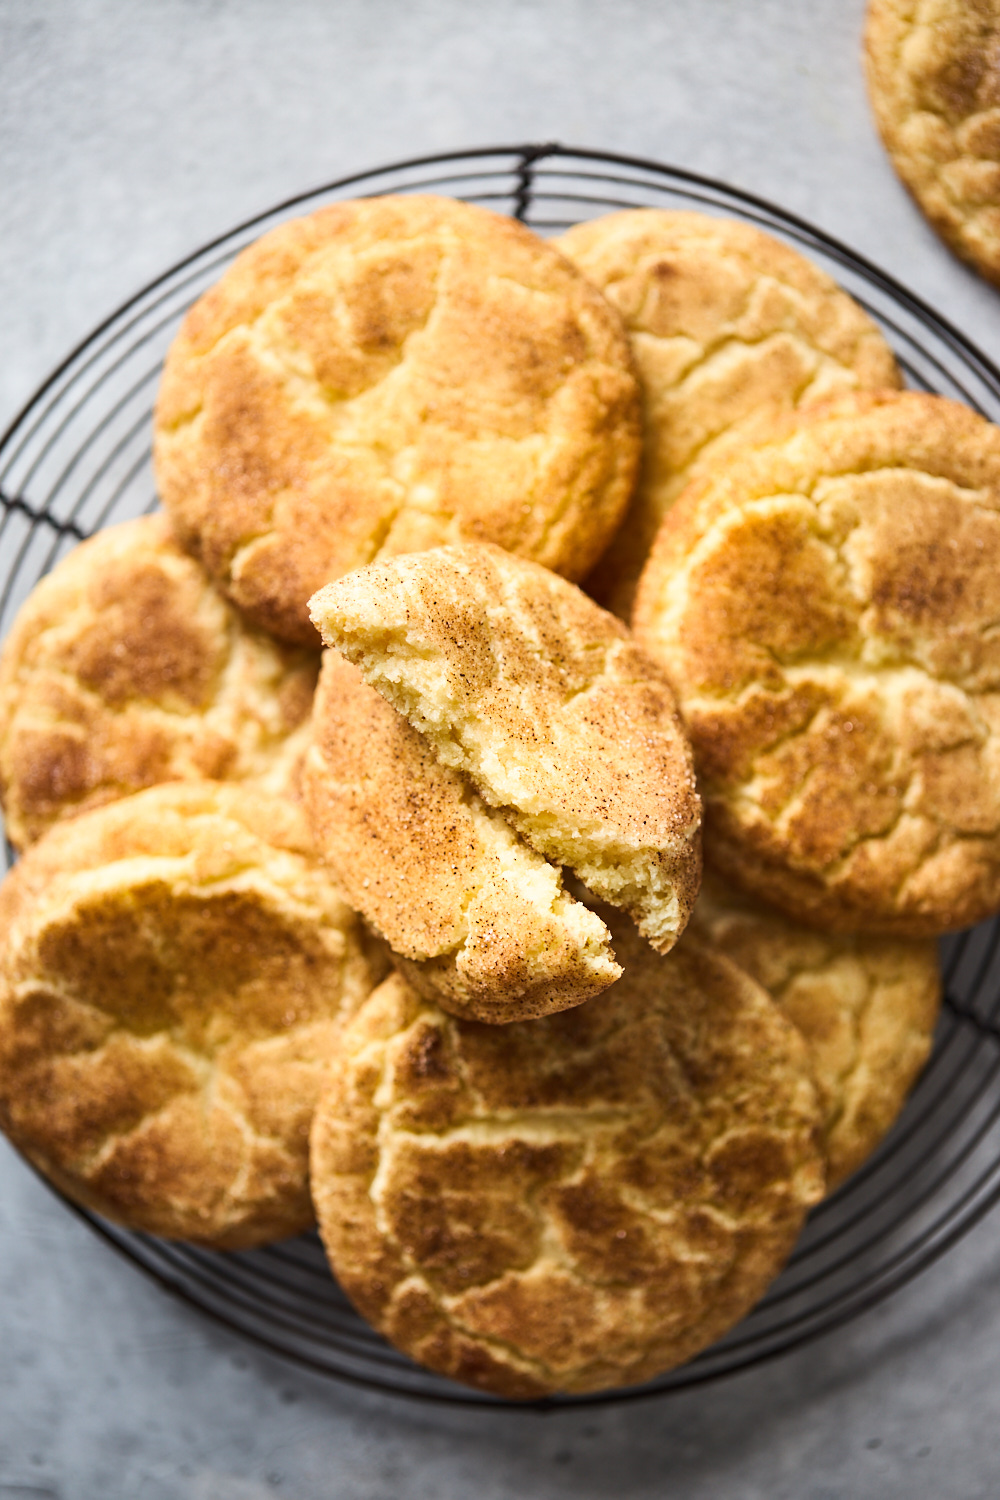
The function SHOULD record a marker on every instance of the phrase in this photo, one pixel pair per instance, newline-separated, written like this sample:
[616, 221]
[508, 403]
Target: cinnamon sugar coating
[934, 80]
[174, 969]
[387, 375]
[866, 1007]
[572, 1203]
[477, 920]
[124, 668]
[825, 607]
[730, 328]
[545, 702]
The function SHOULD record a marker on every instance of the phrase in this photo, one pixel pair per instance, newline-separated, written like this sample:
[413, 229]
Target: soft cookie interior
[477, 919]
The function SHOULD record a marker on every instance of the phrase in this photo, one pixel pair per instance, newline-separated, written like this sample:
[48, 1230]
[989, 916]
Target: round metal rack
[78, 458]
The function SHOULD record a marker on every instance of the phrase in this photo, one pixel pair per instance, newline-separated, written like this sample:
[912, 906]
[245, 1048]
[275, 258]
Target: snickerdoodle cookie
[387, 375]
[571, 1203]
[476, 918]
[125, 668]
[825, 606]
[934, 80]
[728, 327]
[866, 1006]
[546, 704]
[174, 968]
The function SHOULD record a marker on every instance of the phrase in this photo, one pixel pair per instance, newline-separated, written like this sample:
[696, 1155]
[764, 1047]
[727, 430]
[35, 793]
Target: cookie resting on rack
[125, 667]
[388, 375]
[729, 328]
[573, 1203]
[174, 968]
[825, 606]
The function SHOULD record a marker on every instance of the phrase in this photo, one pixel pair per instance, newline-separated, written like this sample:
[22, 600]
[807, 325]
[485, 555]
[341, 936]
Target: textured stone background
[132, 131]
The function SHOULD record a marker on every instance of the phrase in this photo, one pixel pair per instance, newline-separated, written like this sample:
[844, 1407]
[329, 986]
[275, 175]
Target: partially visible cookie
[825, 606]
[572, 1203]
[545, 702]
[174, 969]
[934, 78]
[866, 1006]
[388, 375]
[125, 668]
[477, 919]
[729, 328]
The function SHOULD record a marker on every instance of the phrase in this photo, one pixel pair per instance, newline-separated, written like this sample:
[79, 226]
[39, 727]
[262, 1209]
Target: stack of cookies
[426, 951]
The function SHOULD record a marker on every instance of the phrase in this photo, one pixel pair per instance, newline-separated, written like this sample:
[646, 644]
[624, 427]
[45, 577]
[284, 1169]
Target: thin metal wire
[14, 505]
[77, 457]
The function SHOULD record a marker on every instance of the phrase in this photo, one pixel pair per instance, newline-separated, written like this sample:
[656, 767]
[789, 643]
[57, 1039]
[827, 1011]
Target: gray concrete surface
[133, 130]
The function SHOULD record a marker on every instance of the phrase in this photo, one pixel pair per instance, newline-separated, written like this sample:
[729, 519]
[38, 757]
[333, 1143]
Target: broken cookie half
[534, 734]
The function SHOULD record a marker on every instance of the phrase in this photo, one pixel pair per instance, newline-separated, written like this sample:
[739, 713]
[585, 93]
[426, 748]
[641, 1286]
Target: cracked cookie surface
[388, 375]
[546, 703]
[124, 668]
[866, 1007]
[174, 969]
[826, 607]
[477, 920]
[729, 328]
[571, 1203]
[934, 79]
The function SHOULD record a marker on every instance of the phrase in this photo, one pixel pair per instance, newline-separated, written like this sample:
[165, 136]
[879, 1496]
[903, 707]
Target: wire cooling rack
[78, 458]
